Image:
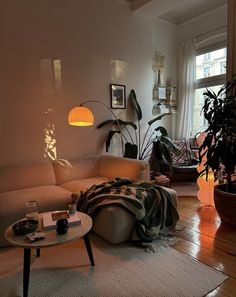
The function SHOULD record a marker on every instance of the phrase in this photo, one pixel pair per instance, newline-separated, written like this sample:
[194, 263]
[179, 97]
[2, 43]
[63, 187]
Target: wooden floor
[202, 236]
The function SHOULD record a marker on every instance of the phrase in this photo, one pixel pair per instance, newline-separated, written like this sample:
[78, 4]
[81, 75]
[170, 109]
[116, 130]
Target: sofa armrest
[112, 167]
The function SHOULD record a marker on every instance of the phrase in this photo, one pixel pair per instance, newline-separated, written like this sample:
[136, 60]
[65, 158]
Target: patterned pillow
[184, 158]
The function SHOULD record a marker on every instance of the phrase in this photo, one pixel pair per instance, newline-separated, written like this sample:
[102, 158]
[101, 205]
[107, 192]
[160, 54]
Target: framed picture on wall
[118, 96]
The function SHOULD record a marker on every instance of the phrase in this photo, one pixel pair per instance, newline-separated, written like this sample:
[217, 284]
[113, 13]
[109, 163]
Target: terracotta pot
[225, 204]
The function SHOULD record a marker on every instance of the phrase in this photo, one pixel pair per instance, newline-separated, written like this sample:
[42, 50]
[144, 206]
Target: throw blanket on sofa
[150, 204]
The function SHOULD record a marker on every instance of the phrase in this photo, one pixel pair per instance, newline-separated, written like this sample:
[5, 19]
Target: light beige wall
[86, 35]
[165, 41]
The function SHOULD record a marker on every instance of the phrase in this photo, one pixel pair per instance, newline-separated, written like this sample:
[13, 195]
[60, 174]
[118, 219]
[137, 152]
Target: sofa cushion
[15, 177]
[184, 158]
[68, 170]
[112, 167]
[83, 184]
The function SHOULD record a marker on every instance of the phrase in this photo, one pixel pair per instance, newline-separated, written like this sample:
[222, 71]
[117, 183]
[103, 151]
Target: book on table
[50, 222]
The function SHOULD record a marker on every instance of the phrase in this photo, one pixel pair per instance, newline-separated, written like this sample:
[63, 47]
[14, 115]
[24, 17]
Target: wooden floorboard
[202, 236]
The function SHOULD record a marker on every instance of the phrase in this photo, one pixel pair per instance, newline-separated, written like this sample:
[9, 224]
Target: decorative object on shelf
[62, 226]
[158, 65]
[159, 89]
[219, 147]
[160, 109]
[24, 227]
[118, 96]
[171, 95]
[159, 93]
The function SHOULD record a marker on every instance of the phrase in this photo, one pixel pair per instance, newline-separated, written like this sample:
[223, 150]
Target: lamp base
[206, 207]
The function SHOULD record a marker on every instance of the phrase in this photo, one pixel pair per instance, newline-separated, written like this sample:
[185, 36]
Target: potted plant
[219, 147]
[136, 146]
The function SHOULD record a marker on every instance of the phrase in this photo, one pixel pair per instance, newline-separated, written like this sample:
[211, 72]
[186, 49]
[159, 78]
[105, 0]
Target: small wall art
[118, 96]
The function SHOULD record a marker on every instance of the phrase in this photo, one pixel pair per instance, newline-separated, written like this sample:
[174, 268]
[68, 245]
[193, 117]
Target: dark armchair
[184, 164]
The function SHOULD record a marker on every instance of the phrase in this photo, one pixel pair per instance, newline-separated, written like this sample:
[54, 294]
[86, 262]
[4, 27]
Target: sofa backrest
[112, 167]
[67, 170]
[14, 177]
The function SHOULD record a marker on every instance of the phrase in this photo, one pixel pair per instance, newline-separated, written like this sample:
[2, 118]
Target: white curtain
[186, 91]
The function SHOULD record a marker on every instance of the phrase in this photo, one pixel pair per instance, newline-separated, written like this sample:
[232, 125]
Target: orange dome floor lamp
[82, 116]
[205, 182]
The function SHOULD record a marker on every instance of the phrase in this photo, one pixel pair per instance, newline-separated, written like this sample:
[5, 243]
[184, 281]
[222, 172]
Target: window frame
[214, 80]
[210, 81]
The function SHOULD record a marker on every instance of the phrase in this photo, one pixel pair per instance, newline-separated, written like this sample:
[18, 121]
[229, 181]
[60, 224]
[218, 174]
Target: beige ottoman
[115, 224]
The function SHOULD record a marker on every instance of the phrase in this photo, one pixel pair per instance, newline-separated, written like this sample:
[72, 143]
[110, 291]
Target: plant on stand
[219, 146]
[137, 146]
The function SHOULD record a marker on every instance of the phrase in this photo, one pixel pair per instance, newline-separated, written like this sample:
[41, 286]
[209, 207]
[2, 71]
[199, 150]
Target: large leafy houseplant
[134, 144]
[219, 146]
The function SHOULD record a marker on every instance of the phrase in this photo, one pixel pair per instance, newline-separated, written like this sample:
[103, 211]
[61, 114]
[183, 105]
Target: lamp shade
[80, 116]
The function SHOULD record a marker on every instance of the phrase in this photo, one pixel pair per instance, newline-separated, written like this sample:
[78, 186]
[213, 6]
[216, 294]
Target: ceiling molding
[136, 4]
[173, 11]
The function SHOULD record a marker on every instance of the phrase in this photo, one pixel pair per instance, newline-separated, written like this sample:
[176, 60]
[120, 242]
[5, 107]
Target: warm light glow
[204, 182]
[206, 189]
[80, 116]
[50, 149]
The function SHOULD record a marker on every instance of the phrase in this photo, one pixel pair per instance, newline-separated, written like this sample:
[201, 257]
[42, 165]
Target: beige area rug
[186, 189]
[119, 271]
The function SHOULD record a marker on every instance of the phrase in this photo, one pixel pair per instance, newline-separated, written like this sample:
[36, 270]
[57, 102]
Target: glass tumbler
[32, 210]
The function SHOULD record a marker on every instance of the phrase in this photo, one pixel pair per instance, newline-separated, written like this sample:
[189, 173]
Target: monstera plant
[134, 144]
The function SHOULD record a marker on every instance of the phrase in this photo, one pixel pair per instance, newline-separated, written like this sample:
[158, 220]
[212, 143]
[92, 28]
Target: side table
[52, 239]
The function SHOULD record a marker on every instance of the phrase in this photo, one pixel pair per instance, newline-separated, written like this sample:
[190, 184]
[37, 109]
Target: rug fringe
[163, 242]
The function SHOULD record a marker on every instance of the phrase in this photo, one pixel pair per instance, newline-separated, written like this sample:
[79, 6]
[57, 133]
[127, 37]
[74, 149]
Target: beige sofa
[51, 185]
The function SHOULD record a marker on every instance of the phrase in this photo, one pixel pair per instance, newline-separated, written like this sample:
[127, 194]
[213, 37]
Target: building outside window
[206, 71]
[206, 56]
[210, 73]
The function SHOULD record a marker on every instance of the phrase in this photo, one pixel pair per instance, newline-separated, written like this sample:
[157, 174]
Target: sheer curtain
[186, 90]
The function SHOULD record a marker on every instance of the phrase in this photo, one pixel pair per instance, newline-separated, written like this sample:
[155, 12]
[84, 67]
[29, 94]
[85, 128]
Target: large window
[210, 73]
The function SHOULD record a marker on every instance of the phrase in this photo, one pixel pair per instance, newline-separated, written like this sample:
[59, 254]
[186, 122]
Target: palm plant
[135, 145]
[219, 146]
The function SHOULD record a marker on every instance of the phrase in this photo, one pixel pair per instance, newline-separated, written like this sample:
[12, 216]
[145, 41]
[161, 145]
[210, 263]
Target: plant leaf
[157, 118]
[105, 123]
[127, 123]
[109, 138]
[166, 152]
[162, 130]
[170, 144]
[135, 105]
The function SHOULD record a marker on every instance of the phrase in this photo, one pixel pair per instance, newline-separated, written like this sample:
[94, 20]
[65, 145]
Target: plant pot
[225, 204]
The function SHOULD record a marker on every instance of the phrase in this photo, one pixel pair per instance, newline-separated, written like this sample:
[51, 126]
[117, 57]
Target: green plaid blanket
[150, 204]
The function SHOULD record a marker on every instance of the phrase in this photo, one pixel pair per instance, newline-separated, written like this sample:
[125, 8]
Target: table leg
[89, 248]
[37, 253]
[26, 271]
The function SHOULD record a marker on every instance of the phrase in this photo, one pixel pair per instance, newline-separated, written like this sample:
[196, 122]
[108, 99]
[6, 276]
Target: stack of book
[49, 221]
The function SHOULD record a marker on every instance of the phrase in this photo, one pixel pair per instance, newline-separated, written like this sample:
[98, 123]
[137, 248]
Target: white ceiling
[174, 11]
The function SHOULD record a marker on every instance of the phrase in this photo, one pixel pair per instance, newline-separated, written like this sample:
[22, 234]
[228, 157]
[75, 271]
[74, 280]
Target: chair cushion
[184, 158]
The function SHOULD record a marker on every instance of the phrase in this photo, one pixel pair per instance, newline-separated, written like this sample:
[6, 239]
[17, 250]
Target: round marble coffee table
[52, 239]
